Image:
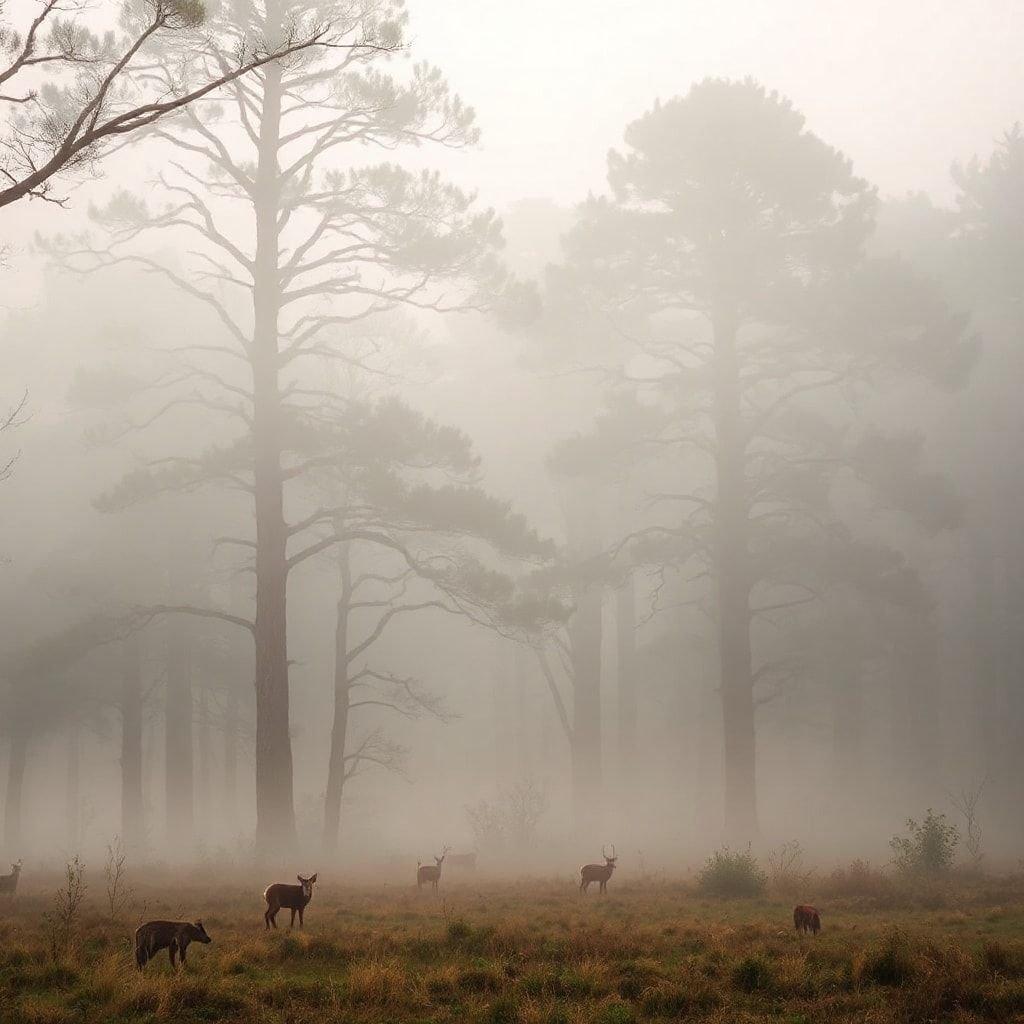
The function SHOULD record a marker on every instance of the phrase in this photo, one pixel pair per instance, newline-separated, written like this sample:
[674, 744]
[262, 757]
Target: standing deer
[806, 919]
[463, 860]
[292, 897]
[9, 883]
[174, 936]
[599, 873]
[430, 872]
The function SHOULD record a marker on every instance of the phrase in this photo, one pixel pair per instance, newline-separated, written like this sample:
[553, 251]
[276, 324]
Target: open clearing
[534, 951]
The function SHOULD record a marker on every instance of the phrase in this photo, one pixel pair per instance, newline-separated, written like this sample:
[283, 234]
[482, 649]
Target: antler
[603, 853]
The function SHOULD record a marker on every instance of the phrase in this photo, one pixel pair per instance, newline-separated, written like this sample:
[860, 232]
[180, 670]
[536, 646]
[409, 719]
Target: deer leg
[181, 953]
[273, 916]
[291, 923]
[300, 916]
[172, 949]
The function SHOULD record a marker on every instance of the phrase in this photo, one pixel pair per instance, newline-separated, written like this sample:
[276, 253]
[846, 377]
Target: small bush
[890, 963]
[860, 881]
[732, 874]
[752, 974]
[930, 847]
[788, 877]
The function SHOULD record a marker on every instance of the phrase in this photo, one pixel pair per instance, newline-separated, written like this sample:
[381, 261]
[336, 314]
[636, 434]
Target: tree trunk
[17, 757]
[848, 780]
[342, 698]
[203, 757]
[625, 656]
[73, 789]
[178, 780]
[230, 816]
[132, 827]
[733, 576]
[585, 642]
[275, 807]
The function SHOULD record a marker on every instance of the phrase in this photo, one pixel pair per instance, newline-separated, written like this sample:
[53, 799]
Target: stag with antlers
[599, 873]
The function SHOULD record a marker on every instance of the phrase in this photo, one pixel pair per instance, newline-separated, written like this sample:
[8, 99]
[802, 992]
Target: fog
[608, 437]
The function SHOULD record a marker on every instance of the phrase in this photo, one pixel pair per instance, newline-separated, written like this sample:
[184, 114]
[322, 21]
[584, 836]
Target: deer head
[444, 853]
[201, 936]
[609, 861]
[307, 885]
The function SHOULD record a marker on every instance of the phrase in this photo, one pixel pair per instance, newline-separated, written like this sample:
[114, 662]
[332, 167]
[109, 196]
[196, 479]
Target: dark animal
[806, 919]
[599, 873]
[9, 883]
[430, 872]
[174, 936]
[292, 897]
[463, 860]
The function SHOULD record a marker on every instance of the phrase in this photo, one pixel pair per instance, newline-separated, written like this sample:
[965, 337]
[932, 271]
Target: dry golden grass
[532, 952]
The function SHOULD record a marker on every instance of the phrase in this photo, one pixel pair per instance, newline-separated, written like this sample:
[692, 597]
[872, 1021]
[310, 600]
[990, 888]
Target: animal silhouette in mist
[292, 897]
[599, 873]
[430, 872]
[465, 861]
[9, 883]
[806, 919]
[174, 936]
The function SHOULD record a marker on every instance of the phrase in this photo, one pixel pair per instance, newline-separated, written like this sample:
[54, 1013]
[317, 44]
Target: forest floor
[534, 951]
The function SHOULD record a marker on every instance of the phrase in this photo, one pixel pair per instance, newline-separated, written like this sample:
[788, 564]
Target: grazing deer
[806, 919]
[174, 936]
[430, 872]
[292, 897]
[463, 860]
[9, 883]
[599, 873]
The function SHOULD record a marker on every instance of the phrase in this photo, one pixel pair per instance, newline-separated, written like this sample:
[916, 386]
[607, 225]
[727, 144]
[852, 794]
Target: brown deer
[430, 872]
[292, 897]
[806, 919]
[174, 936]
[9, 883]
[599, 873]
[463, 860]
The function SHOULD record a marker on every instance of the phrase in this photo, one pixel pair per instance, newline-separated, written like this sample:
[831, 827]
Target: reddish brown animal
[806, 919]
[292, 897]
[174, 936]
[430, 872]
[599, 873]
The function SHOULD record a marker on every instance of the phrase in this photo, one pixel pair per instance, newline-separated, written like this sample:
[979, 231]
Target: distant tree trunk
[585, 643]
[521, 675]
[204, 756]
[178, 741]
[74, 788]
[625, 654]
[132, 825]
[275, 807]
[731, 556]
[17, 757]
[342, 699]
[847, 736]
[230, 815]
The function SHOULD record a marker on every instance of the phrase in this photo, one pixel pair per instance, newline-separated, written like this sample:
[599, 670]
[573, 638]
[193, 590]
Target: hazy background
[904, 90]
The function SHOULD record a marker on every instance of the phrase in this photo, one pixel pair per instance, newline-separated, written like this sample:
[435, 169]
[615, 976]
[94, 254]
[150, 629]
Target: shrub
[930, 847]
[891, 962]
[859, 880]
[788, 877]
[752, 974]
[732, 873]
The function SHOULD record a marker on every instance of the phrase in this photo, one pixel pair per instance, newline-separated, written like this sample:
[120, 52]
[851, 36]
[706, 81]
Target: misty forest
[424, 500]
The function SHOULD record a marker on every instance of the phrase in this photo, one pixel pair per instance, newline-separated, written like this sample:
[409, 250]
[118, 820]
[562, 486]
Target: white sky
[904, 87]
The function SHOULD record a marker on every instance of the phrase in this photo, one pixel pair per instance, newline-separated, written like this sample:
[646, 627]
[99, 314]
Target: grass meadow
[533, 951]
